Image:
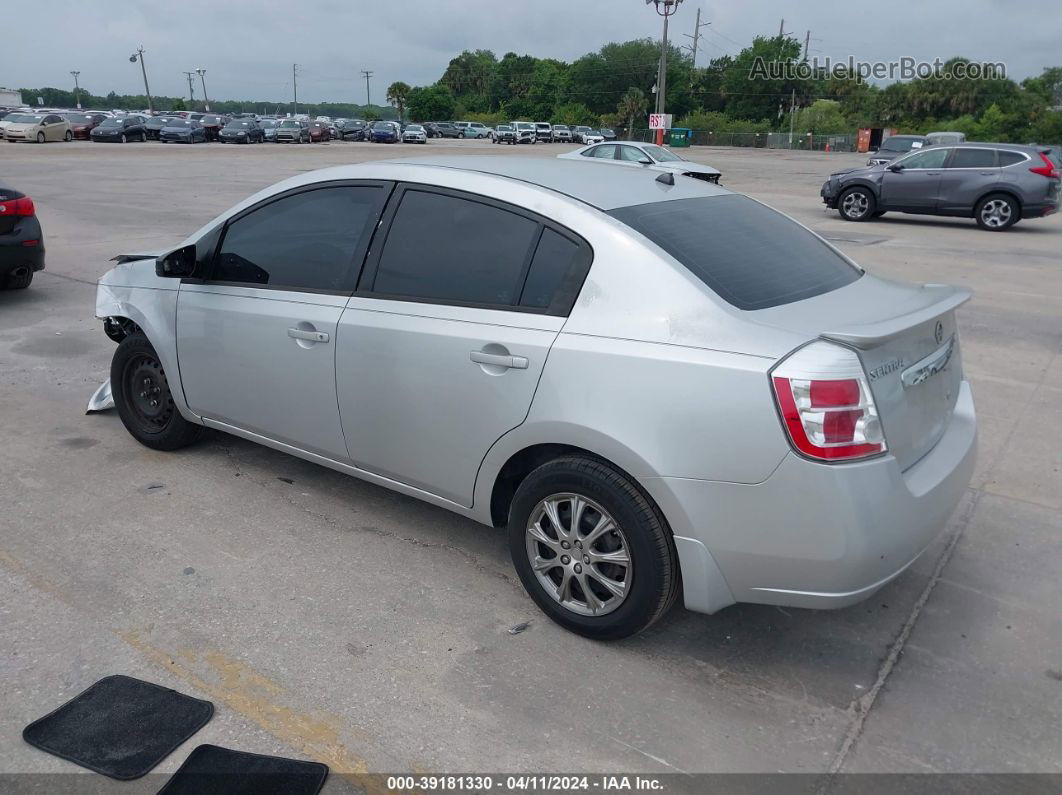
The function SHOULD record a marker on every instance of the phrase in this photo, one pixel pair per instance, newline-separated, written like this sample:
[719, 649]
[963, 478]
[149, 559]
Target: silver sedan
[657, 386]
[651, 156]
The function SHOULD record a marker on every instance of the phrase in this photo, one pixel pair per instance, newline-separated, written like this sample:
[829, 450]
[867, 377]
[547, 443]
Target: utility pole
[191, 90]
[792, 117]
[781, 28]
[202, 77]
[295, 86]
[77, 90]
[807, 44]
[133, 59]
[696, 35]
[368, 94]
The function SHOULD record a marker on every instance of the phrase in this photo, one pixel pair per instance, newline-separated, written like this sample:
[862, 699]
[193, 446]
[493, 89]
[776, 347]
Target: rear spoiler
[945, 299]
[132, 257]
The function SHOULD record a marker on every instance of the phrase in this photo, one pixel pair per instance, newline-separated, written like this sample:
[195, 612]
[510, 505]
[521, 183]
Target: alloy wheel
[996, 213]
[579, 554]
[855, 204]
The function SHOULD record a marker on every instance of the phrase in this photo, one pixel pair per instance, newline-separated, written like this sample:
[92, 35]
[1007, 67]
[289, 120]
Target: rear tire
[608, 599]
[857, 204]
[68, 137]
[143, 398]
[19, 281]
[997, 212]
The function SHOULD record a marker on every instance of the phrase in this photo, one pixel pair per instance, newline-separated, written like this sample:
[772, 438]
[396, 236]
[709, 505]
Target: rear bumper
[14, 255]
[1039, 210]
[816, 535]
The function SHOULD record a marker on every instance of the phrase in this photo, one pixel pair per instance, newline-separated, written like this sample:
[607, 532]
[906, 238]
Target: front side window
[447, 248]
[660, 154]
[312, 240]
[973, 158]
[632, 154]
[931, 158]
[750, 255]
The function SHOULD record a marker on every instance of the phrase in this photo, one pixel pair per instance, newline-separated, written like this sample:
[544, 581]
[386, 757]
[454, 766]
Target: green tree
[823, 117]
[573, 113]
[431, 103]
[398, 95]
[469, 77]
[756, 84]
[178, 104]
[632, 104]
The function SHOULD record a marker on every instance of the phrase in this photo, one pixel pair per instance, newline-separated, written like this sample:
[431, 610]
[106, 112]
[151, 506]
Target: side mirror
[873, 149]
[645, 161]
[177, 264]
[897, 168]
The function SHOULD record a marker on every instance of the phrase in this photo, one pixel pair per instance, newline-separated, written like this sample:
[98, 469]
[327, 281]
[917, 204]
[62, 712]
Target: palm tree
[632, 104]
[397, 94]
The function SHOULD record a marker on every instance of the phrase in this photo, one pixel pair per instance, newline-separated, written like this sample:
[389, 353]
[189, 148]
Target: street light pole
[202, 77]
[143, 69]
[664, 8]
[77, 90]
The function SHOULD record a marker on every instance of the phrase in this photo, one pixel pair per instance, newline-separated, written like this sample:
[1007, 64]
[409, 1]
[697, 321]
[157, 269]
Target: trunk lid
[906, 338]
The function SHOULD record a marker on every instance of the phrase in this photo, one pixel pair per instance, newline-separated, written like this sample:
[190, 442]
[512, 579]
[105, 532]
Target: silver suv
[996, 184]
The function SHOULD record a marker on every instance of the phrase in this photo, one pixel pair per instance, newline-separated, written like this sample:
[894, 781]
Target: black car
[607, 134]
[443, 129]
[154, 125]
[353, 130]
[21, 239]
[120, 128]
[242, 131]
[213, 125]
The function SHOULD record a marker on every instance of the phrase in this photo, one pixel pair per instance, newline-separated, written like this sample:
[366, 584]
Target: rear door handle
[311, 336]
[499, 360]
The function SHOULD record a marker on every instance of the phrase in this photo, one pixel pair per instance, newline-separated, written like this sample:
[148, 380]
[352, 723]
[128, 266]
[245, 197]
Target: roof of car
[982, 145]
[599, 185]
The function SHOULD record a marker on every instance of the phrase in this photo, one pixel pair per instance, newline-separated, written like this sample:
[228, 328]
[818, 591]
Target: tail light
[18, 207]
[1048, 169]
[826, 405]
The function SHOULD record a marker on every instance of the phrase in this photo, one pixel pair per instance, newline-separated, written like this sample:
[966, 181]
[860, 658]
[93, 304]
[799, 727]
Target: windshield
[750, 255]
[157, 122]
[415, 128]
[23, 118]
[560, 126]
[289, 124]
[268, 123]
[660, 154]
[895, 144]
[238, 125]
[382, 125]
[504, 127]
[112, 123]
[523, 125]
[178, 123]
[77, 118]
[211, 120]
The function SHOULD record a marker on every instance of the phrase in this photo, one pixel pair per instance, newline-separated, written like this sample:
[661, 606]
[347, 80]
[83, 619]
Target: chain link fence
[766, 140]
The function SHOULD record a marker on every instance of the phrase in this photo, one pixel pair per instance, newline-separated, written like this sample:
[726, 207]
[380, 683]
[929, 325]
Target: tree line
[613, 87]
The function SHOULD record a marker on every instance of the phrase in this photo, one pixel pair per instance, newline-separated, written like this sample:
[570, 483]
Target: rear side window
[973, 158]
[751, 256]
[1010, 158]
[311, 240]
[446, 248]
[554, 260]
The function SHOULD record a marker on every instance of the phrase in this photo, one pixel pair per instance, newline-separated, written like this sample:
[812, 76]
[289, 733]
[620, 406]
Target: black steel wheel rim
[147, 393]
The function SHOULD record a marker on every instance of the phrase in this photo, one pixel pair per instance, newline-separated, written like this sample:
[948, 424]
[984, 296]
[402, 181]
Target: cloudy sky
[248, 47]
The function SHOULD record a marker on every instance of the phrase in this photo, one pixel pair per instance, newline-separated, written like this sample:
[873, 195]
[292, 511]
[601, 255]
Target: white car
[648, 156]
[592, 137]
[414, 134]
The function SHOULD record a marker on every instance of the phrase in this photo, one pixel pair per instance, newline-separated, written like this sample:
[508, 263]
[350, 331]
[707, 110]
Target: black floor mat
[120, 727]
[212, 770]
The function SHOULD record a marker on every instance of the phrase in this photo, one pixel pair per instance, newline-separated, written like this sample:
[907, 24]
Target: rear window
[752, 256]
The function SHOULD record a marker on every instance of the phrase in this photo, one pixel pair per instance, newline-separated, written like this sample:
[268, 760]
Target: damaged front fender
[101, 399]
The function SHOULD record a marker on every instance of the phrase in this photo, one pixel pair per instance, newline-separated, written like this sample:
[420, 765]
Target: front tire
[143, 398]
[857, 204]
[997, 212]
[610, 573]
[40, 138]
[68, 137]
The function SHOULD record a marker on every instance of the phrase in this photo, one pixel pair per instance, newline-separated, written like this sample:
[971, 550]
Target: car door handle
[499, 360]
[310, 336]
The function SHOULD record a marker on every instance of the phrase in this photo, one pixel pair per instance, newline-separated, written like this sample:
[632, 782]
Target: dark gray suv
[996, 184]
